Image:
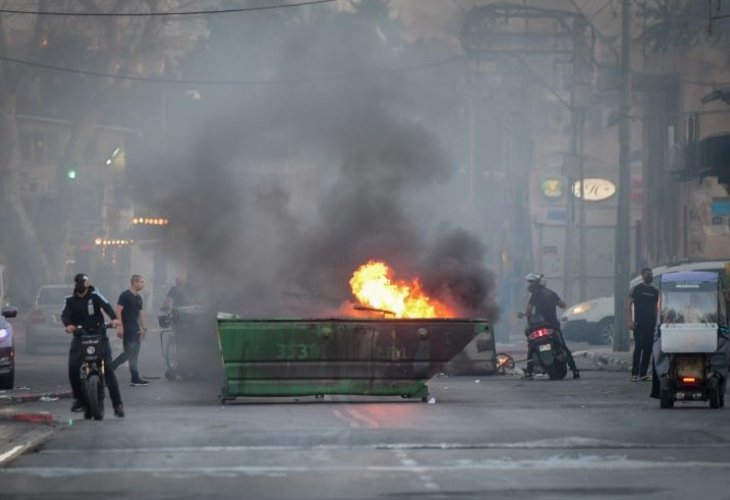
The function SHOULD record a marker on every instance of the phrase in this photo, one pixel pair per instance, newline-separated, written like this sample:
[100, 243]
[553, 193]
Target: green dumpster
[304, 357]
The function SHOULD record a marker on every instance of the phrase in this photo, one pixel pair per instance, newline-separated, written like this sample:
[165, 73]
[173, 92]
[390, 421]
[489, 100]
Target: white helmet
[536, 278]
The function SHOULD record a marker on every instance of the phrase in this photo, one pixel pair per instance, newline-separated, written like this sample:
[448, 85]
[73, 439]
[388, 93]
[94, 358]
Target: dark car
[7, 349]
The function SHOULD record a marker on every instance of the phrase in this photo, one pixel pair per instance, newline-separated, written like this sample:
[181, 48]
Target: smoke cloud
[284, 192]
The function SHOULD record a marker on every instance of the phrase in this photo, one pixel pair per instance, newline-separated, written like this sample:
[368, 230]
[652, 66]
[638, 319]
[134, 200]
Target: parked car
[592, 321]
[7, 349]
[44, 328]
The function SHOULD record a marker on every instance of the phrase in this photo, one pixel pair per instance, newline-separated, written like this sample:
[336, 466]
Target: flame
[373, 285]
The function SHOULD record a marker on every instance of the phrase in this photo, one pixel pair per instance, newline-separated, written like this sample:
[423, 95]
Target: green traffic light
[71, 174]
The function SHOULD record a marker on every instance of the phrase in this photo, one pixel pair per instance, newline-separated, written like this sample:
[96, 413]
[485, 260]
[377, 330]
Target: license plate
[544, 347]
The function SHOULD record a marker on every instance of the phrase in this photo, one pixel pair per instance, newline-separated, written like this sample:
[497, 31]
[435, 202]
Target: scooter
[92, 372]
[545, 350]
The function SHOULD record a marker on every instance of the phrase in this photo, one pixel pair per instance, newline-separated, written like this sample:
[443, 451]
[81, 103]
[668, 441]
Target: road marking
[554, 463]
[369, 422]
[350, 421]
[428, 481]
[546, 444]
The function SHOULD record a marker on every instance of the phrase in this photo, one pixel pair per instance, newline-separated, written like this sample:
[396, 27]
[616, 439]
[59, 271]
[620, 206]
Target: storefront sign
[595, 189]
[552, 188]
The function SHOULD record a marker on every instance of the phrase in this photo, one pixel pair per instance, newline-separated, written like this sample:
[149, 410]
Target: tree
[113, 45]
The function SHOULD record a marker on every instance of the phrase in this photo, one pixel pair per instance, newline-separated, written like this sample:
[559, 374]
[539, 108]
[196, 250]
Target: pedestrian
[178, 295]
[541, 308]
[130, 308]
[644, 298]
[84, 309]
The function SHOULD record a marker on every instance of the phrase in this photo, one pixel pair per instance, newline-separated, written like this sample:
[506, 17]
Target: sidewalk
[22, 432]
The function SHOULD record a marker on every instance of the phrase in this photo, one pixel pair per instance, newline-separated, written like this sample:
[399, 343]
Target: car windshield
[689, 307]
[52, 296]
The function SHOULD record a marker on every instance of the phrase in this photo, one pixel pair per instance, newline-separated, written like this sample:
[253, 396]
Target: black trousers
[132, 345]
[643, 342]
[74, 371]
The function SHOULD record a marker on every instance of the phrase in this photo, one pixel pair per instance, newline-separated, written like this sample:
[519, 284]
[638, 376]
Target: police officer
[84, 308]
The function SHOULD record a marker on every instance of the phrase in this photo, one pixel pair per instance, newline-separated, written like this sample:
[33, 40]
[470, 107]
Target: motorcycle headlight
[4, 332]
[580, 308]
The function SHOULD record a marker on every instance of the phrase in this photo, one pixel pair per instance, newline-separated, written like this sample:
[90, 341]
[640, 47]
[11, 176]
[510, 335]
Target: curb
[605, 361]
[39, 417]
[28, 442]
[31, 398]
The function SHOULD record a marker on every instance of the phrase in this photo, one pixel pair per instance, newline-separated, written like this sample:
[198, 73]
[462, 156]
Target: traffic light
[71, 173]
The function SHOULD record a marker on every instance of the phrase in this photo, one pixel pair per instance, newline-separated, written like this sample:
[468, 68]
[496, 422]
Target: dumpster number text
[296, 351]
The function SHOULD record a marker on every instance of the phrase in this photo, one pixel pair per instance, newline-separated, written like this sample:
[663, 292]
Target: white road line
[369, 422]
[350, 421]
[555, 464]
[406, 461]
[561, 444]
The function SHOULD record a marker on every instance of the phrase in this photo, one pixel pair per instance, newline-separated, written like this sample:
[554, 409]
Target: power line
[167, 13]
[283, 81]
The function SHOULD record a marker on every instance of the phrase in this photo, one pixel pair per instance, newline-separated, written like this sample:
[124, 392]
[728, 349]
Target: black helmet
[81, 279]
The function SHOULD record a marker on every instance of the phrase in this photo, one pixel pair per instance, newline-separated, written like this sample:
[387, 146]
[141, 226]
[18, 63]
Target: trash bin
[297, 357]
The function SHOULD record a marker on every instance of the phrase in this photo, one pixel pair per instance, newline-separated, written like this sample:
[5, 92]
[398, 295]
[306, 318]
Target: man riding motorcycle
[84, 308]
[541, 308]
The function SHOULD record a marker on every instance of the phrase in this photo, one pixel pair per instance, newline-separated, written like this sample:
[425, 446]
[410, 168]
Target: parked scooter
[545, 351]
[92, 372]
[691, 346]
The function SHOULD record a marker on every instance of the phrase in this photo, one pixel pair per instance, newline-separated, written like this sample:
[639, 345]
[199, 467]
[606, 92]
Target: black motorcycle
[546, 351]
[92, 372]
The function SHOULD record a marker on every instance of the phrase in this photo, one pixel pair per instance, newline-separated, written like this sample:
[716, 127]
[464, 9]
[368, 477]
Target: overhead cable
[162, 13]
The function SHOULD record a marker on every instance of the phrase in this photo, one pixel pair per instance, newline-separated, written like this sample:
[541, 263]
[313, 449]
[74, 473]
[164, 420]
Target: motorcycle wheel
[553, 372]
[94, 397]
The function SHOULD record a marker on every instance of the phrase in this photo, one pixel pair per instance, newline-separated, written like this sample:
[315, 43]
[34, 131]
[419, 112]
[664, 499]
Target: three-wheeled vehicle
[691, 345]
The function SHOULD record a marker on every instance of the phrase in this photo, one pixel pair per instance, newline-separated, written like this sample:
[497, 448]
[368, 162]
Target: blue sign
[720, 207]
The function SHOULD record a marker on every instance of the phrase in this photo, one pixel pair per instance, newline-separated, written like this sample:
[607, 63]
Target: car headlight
[580, 308]
[4, 332]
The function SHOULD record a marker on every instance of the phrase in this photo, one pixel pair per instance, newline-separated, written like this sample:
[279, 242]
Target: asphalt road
[488, 437]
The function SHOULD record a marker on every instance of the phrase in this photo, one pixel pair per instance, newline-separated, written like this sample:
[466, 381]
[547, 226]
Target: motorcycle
[92, 372]
[545, 351]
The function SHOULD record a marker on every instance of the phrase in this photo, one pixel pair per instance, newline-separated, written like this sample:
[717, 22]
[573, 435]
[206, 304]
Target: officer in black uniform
[84, 308]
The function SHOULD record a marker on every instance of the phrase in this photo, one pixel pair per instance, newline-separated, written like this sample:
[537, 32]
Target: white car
[592, 321]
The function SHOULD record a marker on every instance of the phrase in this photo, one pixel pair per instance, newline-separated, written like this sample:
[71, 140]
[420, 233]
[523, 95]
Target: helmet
[81, 279]
[537, 279]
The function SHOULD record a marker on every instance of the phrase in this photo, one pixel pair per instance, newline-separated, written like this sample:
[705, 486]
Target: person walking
[84, 309]
[134, 328]
[644, 298]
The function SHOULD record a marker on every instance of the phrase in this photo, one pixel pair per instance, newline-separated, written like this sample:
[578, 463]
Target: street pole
[622, 257]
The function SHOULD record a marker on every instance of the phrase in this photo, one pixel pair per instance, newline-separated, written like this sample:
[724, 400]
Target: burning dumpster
[374, 357]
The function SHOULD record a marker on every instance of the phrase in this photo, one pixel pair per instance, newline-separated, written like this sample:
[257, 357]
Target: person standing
[644, 298]
[134, 328]
[178, 295]
[83, 309]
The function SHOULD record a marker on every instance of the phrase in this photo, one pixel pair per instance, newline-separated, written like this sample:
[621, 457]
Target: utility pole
[622, 257]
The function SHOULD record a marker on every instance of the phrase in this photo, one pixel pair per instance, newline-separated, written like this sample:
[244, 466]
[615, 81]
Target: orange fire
[374, 287]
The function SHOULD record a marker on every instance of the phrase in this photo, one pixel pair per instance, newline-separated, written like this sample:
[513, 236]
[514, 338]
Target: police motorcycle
[545, 350]
[92, 372]
[691, 346]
